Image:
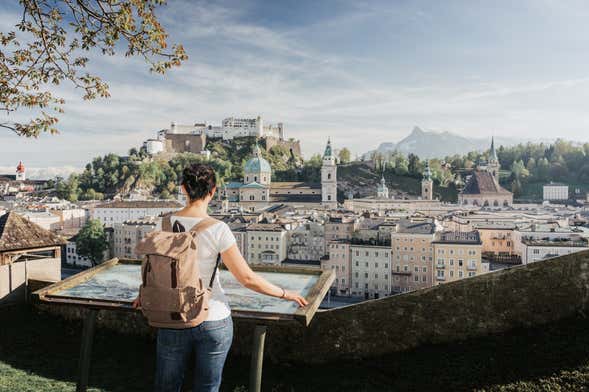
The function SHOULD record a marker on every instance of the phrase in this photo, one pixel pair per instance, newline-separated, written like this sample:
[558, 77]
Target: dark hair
[199, 180]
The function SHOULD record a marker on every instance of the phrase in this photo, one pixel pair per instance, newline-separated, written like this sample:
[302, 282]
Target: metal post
[86, 350]
[257, 358]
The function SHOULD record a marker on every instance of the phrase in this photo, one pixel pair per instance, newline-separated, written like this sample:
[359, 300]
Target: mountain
[429, 144]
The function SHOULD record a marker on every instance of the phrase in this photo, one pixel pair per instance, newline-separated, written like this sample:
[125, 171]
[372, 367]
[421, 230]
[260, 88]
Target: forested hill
[112, 175]
[524, 169]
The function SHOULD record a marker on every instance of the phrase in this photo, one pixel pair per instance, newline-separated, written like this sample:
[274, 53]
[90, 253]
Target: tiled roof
[253, 185]
[408, 227]
[265, 227]
[458, 237]
[17, 233]
[286, 198]
[142, 204]
[295, 185]
[482, 182]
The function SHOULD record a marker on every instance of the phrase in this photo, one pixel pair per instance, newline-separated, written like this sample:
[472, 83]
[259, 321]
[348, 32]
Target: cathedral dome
[257, 164]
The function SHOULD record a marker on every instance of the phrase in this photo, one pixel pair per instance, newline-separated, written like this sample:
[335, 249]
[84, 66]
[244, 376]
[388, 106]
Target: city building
[457, 255]
[27, 251]
[306, 242]
[266, 243]
[555, 192]
[497, 240]
[257, 192]
[482, 187]
[128, 233]
[371, 271]
[72, 257]
[382, 191]
[340, 227]
[114, 212]
[537, 242]
[338, 258]
[412, 255]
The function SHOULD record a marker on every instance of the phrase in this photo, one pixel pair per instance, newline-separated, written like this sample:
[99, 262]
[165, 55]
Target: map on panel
[121, 283]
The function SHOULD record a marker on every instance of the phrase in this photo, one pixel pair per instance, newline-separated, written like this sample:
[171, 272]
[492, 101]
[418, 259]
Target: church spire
[328, 152]
[427, 174]
[493, 152]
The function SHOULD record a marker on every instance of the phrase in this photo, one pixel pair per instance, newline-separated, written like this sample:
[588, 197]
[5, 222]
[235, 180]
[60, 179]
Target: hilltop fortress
[193, 138]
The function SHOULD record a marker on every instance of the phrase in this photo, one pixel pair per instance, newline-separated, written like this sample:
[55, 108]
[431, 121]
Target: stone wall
[294, 145]
[14, 275]
[496, 302]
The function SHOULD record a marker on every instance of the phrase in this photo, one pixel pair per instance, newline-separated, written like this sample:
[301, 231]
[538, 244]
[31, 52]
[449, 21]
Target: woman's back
[210, 242]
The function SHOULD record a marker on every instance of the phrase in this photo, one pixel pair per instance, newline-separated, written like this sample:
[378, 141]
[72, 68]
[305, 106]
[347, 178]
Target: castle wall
[294, 145]
[185, 143]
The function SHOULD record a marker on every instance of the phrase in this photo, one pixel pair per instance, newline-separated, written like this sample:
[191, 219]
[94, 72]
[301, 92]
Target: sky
[360, 72]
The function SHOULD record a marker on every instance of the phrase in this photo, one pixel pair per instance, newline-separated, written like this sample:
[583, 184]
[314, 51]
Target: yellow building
[457, 255]
[412, 255]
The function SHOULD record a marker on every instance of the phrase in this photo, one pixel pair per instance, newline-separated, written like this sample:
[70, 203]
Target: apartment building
[340, 228]
[457, 255]
[120, 211]
[339, 260]
[266, 243]
[371, 270]
[127, 234]
[497, 239]
[306, 242]
[412, 255]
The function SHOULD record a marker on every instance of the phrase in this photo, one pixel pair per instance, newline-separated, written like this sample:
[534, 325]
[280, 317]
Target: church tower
[20, 172]
[329, 178]
[493, 166]
[427, 185]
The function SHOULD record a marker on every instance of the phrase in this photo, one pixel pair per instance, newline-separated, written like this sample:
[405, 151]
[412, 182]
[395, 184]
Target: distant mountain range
[429, 144]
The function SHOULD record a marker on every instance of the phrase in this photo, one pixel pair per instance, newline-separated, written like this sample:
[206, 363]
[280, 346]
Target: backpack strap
[167, 221]
[215, 271]
[203, 225]
[199, 227]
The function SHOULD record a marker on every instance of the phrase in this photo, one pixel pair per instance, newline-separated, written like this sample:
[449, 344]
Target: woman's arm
[237, 265]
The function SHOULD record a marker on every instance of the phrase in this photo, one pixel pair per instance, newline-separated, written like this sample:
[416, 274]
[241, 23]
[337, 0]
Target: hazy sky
[362, 72]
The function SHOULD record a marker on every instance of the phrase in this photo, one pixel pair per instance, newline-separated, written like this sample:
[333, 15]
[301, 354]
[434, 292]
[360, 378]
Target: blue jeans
[209, 341]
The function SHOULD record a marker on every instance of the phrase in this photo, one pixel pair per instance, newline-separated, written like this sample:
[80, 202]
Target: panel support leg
[86, 350]
[257, 358]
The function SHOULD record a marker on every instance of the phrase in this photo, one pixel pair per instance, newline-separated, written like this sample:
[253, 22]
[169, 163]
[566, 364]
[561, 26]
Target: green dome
[257, 164]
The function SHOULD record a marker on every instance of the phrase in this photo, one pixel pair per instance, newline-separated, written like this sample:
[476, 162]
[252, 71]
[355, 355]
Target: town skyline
[336, 70]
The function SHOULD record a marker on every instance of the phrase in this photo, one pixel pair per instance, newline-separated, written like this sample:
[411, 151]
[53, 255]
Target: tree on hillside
[49, 44]
[344, 155]
[91, 241]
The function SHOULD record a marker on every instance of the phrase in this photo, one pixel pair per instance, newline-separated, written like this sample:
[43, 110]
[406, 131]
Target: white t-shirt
[212, 241]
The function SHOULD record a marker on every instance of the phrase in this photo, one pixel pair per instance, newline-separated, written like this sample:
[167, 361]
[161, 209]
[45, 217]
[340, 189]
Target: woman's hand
[136, 303]
[296, 297]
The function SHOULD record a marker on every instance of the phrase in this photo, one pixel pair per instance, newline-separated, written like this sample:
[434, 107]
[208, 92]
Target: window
[416, 278]
[424, 269]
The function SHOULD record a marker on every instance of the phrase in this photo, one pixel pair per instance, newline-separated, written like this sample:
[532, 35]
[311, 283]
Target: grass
[39, 353]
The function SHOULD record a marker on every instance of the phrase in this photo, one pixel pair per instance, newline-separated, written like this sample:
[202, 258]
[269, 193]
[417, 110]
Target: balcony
[406, 273]
[441, 278]
[440, 265]
[471, 268]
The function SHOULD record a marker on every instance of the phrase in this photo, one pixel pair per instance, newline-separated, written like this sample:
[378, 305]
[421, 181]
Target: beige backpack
[172, 294]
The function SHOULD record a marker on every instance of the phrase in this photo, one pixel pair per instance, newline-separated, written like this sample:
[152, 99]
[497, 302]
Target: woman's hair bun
[199, 180]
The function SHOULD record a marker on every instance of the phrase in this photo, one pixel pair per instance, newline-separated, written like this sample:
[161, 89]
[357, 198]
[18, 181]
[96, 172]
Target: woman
[211, 340]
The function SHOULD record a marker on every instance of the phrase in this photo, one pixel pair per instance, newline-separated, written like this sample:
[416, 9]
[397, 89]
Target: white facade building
[73, 258]
[555, 191]
[266, 243]
[128, 234]
[371, 271]
[120, 211]
[307, 242]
